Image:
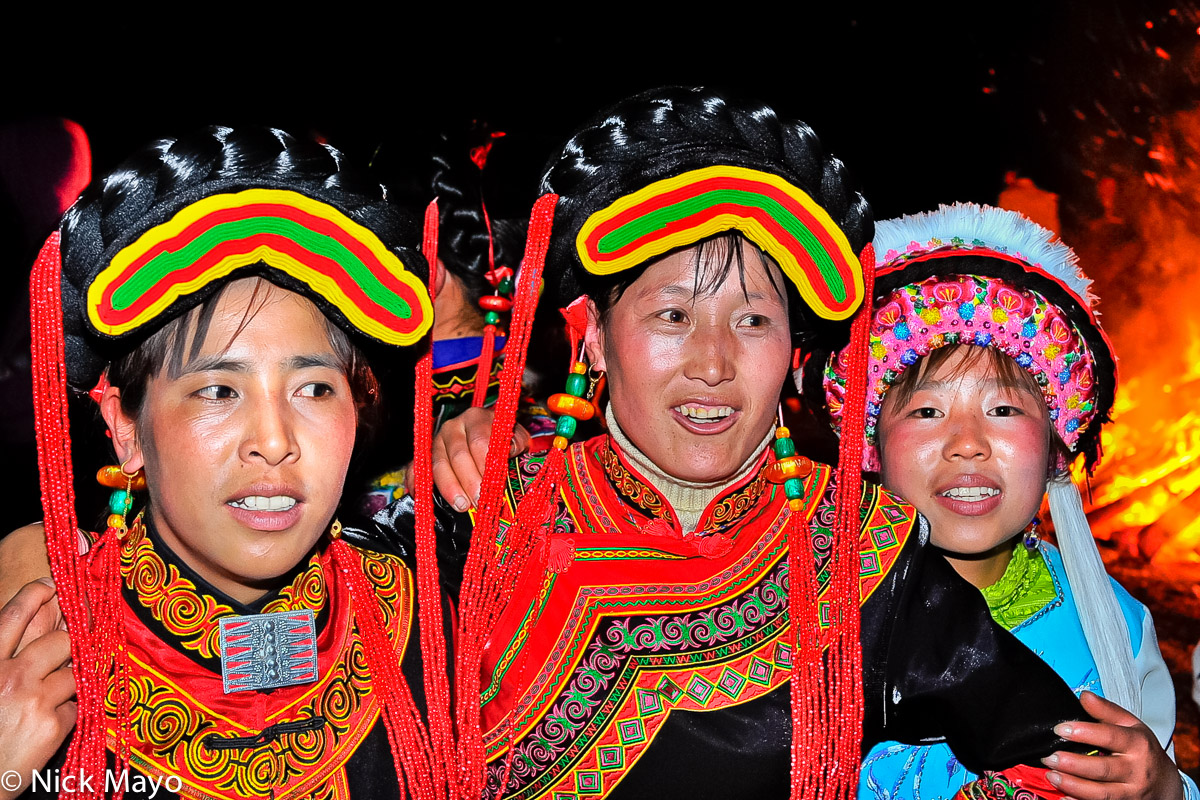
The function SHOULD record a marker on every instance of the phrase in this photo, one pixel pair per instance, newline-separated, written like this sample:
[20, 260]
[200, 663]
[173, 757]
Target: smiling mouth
[277, 502]
[703, 414]
[971, 494]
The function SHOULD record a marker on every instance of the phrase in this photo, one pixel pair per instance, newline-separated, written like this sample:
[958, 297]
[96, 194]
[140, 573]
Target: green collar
[1024, 589]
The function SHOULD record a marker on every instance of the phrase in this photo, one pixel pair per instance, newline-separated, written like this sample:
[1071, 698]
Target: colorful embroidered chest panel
[181, 721]
[635, 619]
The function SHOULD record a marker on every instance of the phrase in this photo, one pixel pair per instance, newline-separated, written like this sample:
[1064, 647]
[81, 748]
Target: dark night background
[927, 103]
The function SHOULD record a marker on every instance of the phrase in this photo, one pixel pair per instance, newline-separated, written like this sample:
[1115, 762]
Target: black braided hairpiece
[666, 131]
[152, 185]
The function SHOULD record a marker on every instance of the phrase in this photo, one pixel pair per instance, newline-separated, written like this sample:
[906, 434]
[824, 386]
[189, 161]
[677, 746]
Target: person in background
[477, 260]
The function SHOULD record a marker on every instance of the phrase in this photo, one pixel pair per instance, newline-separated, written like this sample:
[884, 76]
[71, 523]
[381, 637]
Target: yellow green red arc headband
[777, 216]
[340, 260]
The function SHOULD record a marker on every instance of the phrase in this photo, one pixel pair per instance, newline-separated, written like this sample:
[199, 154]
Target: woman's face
[970, 452]
[694, 380]
[246, 450]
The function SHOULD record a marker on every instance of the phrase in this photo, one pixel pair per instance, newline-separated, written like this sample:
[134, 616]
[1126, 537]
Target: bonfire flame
[1145, 256]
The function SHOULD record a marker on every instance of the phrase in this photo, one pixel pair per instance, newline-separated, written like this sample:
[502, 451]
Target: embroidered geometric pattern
[620, 649]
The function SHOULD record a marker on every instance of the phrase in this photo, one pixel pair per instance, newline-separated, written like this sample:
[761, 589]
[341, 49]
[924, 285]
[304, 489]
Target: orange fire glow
[1145, 257]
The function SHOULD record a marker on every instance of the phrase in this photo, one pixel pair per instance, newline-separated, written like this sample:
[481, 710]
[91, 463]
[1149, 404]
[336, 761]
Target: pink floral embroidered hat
[975, 275]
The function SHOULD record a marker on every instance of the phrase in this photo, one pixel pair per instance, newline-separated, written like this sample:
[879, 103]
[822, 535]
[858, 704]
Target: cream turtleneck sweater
[687, 498]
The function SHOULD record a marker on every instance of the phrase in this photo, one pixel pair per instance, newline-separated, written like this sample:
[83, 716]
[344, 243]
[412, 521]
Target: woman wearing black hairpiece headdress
[226, 294]
[685, 606]
[477, 259]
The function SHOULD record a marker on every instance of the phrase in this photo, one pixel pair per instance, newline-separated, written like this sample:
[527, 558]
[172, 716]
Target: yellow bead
[561, 442]
[579, 368]
[115, 521]
[571, 406]
[796, 505]
[112, 477]
[782, 432]
[787, 468]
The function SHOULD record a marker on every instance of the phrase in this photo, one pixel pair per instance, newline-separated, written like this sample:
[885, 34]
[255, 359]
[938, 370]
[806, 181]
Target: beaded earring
[789, 468]
[572, 406]
[123, 484]
[500, 300]
[1031, 537]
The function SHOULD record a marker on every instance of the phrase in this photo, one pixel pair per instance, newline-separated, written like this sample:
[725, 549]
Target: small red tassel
[483, 373]
[575, 316]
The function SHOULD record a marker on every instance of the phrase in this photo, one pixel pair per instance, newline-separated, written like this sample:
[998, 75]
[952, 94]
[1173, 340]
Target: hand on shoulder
[460, 452]
[37, 689]
[23, 559]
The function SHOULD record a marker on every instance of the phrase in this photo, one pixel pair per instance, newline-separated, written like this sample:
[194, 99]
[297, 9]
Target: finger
[476, 426]
[469, 463]
[46, 654]
[48, 618]
[67, 713]
[18, 612]
[1107, 711]
[444, 478]
[408, 478]
[1107, 736]
[521, 441]
[1105, 769]
[59, 686]
[1074, 788]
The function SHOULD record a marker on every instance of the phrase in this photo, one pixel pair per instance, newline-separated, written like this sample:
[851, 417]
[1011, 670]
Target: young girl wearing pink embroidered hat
[989, 374]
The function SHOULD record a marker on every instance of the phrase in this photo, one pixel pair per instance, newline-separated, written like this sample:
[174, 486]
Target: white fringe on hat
[999, 229]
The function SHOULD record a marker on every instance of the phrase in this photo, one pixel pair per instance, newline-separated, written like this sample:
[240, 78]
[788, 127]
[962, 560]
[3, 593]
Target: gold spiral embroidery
[640, 494]
[735, 505]
[189, 614]
[169, 726]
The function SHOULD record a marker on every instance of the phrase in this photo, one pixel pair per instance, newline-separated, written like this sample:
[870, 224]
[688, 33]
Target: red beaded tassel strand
[808, 700]
[491, 570]
[407, 736]
[429, 597]
[103, 563]
[845, 649]
[86, 754]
